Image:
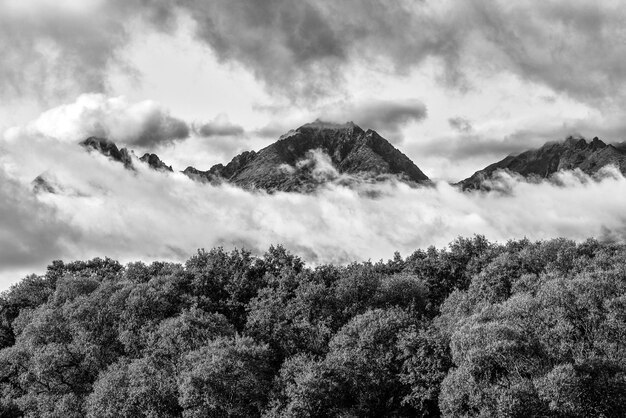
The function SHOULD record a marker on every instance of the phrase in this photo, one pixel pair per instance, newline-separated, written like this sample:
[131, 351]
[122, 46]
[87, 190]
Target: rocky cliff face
[293, 162]
[155, 162]
[123, 155]
[573, 153]
[299, 161]
[109, 149]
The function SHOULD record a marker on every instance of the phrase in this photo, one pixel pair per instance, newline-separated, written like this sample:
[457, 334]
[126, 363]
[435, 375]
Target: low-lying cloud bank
[105, 210]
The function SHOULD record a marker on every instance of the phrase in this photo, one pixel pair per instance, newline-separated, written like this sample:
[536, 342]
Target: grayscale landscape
[241, 208]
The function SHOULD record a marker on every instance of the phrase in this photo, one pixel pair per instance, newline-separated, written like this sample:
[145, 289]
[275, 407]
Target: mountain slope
[300, 161]
[108, 148]
[543, 162]
[123, 155]
[155, 162]
[293, 162]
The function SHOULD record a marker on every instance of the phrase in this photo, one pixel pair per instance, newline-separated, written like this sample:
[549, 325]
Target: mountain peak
[321, 124]
[95, 141]
[573, 153]
[574, 140]
[313, 154]
[155, 162]
[289, 163]
[579, 142]
[108, 148]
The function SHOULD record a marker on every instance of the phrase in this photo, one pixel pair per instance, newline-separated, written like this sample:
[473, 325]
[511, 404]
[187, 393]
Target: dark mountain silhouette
[543, 162]
[155, 162]
[296, 161]
[45, 182]
[299, 161]
[123, 155]
[108, 148]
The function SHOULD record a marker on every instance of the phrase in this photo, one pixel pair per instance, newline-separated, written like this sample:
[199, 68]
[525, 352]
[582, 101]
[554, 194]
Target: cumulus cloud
[220, 126]
[337, 224]
[302, 49]
[145, 124]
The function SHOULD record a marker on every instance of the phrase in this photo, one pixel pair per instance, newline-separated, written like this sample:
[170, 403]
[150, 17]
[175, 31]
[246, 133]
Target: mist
[102, 209]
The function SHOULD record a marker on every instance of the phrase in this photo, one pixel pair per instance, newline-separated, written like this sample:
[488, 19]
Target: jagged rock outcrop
[108, 148]
[123, 155]
[42, 184]
[155, 162]
[299, 161]
[573, 153]
[286, 164]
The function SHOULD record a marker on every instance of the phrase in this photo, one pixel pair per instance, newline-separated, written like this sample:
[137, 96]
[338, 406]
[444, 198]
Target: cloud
[460, 124]
[337, 224]
[291, 46]
[386, 116]
[220, 126]
[24, 218]
[573, 47]
[272, 130]
[305, 50]
[472, 145]
[141, 126]
[50, 48]
[145, 124]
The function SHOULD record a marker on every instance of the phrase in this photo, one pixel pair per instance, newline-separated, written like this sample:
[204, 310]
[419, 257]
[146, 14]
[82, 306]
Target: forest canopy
[475, 329]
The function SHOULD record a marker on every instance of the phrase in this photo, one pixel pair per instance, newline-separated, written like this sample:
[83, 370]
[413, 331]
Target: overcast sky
[455, 85]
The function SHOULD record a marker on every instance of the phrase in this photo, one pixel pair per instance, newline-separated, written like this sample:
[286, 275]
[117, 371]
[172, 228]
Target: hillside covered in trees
[476, 329]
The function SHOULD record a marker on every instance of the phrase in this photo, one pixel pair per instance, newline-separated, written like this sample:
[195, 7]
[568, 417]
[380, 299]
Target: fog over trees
[511, 329]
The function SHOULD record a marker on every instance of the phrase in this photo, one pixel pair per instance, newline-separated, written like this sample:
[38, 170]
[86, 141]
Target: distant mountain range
[321, 152]
[573, 153]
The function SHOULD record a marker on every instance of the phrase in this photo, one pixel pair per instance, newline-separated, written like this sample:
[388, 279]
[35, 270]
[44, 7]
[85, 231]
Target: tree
[139, 388]
[360, 375]
[227, 377]
[426, 362]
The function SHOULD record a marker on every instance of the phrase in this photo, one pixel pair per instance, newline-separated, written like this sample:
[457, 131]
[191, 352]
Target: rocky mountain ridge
[288, 164]
[320, 152]
[543, 162]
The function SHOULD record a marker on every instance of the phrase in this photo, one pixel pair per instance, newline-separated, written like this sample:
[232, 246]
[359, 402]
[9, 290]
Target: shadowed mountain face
[108, 148]
[155, 162]
[313, 154]
[573, 153]
[299, 161]
[123, 155]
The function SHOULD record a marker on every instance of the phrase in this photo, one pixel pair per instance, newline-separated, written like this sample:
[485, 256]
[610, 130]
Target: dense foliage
[476, 329]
